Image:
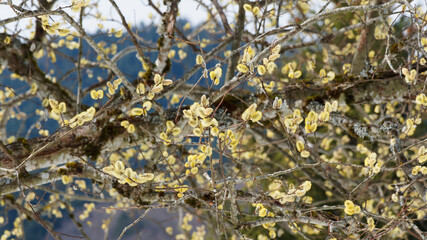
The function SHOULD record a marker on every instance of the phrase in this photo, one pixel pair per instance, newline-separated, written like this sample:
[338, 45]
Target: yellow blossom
[300, 146]
[199, 60]
[242, 68]
[311, 122]
[350, 208]
[371, 224]
[261, 70]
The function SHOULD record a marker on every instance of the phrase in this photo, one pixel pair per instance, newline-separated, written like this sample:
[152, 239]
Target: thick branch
[166, 32]
[20, 60]
[237, 39]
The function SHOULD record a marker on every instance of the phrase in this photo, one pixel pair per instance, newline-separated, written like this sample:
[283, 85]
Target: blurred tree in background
[291, 119]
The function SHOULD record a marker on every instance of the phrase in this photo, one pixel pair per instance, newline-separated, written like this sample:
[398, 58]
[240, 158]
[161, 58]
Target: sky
[135, 11]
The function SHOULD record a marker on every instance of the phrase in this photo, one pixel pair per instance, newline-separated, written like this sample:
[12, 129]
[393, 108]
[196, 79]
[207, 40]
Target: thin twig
[133, 224]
